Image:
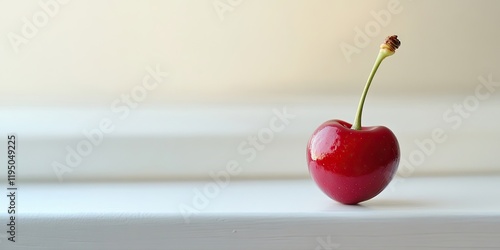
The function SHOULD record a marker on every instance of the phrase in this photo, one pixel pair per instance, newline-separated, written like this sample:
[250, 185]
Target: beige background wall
[92, 51]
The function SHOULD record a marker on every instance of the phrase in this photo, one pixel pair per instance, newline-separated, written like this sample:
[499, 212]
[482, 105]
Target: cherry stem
[386, 49]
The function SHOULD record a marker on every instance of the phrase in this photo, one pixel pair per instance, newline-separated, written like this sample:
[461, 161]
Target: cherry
[351, 163]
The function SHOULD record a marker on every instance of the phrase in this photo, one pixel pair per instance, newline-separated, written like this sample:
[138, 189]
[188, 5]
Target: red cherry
[352, 166]
[351, 163]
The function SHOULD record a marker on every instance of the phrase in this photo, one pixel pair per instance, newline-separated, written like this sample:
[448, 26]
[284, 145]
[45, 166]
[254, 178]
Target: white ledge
[414, 213]
[153, 141]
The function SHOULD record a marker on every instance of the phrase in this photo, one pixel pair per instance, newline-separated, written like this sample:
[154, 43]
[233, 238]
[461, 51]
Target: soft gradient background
[91, 50]
[228, 71]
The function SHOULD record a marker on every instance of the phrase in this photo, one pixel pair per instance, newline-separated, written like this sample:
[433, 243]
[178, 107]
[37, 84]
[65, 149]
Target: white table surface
[413, 213]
